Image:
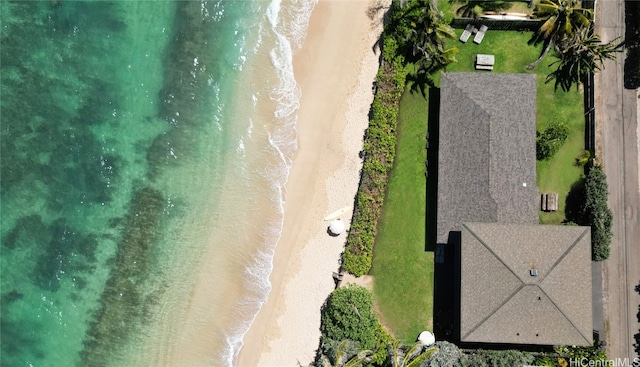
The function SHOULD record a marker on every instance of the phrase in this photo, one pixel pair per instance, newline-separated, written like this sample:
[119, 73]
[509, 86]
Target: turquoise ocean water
[144, 149]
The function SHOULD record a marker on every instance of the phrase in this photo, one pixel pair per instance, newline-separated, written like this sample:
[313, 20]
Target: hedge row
[598, 213]
[379, 153]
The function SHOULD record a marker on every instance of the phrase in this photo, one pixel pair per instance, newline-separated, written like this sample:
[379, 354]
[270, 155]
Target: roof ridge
[504, 302]
[469, 95]
[492, 252]
[553, 302]
[516, 292]
[506, 299]
[569, 249]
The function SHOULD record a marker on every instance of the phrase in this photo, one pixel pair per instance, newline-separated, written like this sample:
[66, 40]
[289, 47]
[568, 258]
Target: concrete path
[617, 149]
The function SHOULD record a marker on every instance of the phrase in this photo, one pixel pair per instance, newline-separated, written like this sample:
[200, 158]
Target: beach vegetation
[346, 353]
[421, 32]
[348, 315]
[408, 355]
[447, 355]
[379, 153]
[414, 38]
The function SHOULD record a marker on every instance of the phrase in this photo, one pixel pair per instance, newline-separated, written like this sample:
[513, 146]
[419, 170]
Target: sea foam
[283, 31]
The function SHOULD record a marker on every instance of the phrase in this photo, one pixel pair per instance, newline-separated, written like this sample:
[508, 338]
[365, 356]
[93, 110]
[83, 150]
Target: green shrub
[583, 159]
[593, 355]
[550, 140]
[448, 355]
[598, 213]
[348, 315]
[496, 358]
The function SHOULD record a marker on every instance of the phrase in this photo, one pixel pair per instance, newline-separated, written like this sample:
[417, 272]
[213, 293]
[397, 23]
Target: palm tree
[423, 35]
[562, 20]
[345, 354]
[581, 56]
[427, 35]
[474, 8]
[413, 356]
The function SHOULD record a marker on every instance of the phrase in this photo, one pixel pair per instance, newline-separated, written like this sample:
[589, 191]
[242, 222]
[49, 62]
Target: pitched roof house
[487, 151]
[525, 284]
[520, 282]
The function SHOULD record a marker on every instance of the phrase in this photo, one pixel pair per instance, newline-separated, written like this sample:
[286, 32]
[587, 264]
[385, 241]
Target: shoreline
[335, 69]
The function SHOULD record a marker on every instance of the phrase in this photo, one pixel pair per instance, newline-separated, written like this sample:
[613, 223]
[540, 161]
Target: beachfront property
[516, 281]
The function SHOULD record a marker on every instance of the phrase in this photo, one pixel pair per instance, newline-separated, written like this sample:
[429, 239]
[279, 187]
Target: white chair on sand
[466, 33]
[480, 35]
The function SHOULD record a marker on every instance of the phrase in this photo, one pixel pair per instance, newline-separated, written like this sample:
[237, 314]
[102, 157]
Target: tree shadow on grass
[574, 205]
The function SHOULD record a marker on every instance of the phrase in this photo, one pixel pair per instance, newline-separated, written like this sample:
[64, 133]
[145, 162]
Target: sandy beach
[335, 69]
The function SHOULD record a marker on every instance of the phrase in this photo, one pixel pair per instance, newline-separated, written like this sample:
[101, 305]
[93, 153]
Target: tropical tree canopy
[346, 353]
[408, 356]
[423, 33]
[580, 56]
[563, 19]
[475, 8]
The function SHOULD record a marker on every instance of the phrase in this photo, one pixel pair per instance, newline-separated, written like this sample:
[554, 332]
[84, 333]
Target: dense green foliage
[415, 32]
[598, 213]
[448, 355]
[475, 8]
[409, 355]
[348, 315]
[379, 152]
[587, 206]
[562, 20]
[420, 30]
[346, 353]
[496, 358]
[579, 57]
[549, 141]
[564, 355]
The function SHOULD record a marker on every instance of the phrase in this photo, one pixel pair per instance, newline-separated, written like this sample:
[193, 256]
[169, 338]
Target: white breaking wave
[286, 24]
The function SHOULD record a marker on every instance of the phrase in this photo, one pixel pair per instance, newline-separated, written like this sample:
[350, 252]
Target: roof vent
[533, 272]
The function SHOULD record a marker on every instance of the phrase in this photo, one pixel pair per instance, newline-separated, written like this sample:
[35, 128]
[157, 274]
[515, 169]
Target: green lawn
[402, 269]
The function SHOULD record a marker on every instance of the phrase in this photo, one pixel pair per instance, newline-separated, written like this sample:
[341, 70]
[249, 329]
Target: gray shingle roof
[500, 302]
[486, 150]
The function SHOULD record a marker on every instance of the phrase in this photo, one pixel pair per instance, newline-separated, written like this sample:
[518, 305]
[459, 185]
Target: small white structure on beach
[427, 338]
[336, 227]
